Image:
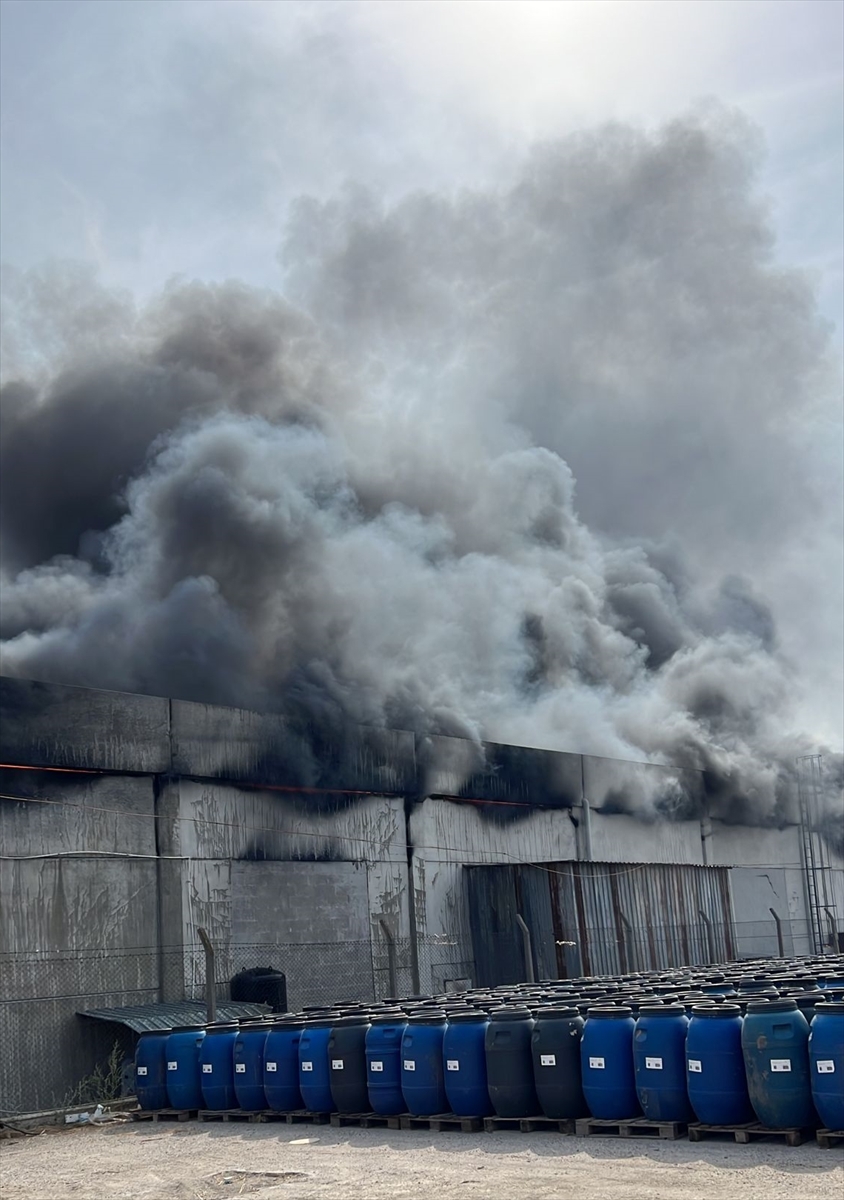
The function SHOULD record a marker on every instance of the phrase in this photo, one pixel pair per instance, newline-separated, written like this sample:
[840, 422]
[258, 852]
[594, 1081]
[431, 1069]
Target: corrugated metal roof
[146, 1018]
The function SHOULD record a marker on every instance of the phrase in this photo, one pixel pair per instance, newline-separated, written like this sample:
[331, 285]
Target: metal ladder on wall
[815, 865]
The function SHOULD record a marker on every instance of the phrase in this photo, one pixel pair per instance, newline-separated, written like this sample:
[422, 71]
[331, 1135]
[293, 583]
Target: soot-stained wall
[129, 821]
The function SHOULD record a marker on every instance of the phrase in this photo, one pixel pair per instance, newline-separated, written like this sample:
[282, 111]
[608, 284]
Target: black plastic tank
[261, 985]
[555, 1048]
[347, 1063]
[509, 1063]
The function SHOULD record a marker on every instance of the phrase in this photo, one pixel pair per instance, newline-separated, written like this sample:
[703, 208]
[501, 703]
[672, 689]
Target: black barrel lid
[771, 1006]
[609, 1012]
[396, 1017]
[830, 1008]
[427, 1016]
[511, 1012]
[716, 1010]
[471, 1016]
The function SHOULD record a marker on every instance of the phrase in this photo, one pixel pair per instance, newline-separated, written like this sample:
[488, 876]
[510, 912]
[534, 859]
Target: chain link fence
[47, 1048]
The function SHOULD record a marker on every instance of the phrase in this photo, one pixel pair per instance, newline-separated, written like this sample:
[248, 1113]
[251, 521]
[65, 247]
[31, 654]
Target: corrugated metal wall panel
[491, 893]
[623, 917]
[534, 896]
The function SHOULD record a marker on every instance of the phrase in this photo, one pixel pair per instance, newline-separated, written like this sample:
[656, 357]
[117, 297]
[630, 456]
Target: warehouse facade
[362, 863]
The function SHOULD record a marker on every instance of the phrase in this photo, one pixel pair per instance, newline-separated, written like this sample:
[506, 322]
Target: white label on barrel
[172, 1066]
[597, 1064]
[780, 1064]
[336, 1064]
[410, 1064]
[142, 1070]
[307, 1066]
[452, 1064]
[547, 1060]
[272, 1066]
[826, 1066]
[240, 1068]
[653, 1064]
[376, 1066]
[207, 1068]
[696, 1066]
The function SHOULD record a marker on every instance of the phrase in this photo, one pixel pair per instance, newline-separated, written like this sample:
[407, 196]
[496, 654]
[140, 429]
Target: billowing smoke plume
[354, 501]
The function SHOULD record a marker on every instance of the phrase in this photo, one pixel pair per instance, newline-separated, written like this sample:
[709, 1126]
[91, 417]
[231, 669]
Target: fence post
[780, 943]
[391, 956]
[527, 949]
[210, 977]
[709, 938]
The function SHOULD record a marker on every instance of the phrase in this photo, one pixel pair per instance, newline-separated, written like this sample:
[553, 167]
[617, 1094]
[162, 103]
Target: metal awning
[146, 1018]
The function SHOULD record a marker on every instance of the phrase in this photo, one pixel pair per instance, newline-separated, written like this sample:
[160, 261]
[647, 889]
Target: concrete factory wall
[144, 819]
[79, 927]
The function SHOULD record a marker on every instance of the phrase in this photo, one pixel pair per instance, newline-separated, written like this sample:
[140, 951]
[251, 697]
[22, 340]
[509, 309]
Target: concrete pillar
[170, 897]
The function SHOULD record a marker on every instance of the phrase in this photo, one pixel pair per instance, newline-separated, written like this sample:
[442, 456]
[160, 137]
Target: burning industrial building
[309, 640]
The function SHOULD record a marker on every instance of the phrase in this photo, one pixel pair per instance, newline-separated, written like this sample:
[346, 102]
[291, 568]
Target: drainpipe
[833, 932]
[709, 938]
[411, 899]
[585, 829]
[527, 949]
[626, 941]
[780, 943]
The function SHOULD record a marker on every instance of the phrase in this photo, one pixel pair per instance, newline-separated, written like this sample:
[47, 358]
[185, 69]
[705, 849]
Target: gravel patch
[193, 1161]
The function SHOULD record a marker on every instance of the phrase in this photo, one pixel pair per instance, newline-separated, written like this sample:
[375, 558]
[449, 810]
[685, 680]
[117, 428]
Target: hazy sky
[158, 138]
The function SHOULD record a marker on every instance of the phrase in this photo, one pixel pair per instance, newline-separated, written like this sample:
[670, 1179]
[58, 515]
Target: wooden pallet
[529, 1124]
[637, 1127]
[442, 1123]
[365, 1121]
[301, 1116]
[230, 1114]
[828, 1138]
[164, 1114]
[749, 1132]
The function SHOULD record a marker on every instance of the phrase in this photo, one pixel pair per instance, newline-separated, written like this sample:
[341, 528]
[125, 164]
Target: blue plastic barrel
[826, 1059]
[464, 1056]
[775, 1044]
[659, 1060]
[715, 1074]
[183, 1070]
[249, 1065]
[281, 1065]
[383, 1063]
[314, 1074]
[422, 1075]
[151, 1069]
[216, 1066]
[606, 1060]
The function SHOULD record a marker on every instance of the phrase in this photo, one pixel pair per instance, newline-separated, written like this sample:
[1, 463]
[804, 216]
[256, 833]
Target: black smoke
[355, 501]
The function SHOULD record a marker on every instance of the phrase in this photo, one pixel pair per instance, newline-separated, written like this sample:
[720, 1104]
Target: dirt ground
[192, 1161]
